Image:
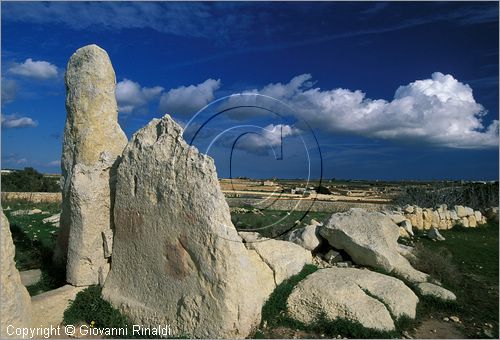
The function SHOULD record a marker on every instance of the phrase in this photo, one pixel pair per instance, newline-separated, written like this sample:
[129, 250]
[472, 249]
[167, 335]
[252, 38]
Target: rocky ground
[466, 263]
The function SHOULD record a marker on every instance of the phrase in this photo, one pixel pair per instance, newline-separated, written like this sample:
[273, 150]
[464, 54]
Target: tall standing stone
[93, 142]
[177, 258]
[15, 303]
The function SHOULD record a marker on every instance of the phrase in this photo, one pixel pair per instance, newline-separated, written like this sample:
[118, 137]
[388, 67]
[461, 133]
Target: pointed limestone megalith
[177, 258]
[15, 303]
[93, 142]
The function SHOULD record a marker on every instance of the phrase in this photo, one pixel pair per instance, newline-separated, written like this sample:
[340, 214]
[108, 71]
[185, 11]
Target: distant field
[272, 223]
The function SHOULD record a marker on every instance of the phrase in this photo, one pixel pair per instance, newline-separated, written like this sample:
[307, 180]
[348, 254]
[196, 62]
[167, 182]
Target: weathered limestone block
[429, 289]
[284, 258]
[306, 237]
[478, 216]
[434, 234]
[472, 221]
[358, 295]
[403, 233]
[407, 226]
[49, 307]
[443, 224]
[413, 220]
[419, 219]
[396, 217]
[93, 142]
[465, 221]
[460, 210]
[177, 258]
[370, 238]
[15, 303]
[30, 277]
[435, 219]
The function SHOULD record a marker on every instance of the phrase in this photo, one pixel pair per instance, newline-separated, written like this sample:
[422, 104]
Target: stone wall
[304, 205]
[33, 197]
[440, 217]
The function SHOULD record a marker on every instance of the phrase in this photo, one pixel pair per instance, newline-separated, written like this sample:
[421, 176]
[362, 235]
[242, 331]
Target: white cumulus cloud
[187, 100]
[34, 69]
[14, 121]
[267, 138]
[440, 111]
[131, 96]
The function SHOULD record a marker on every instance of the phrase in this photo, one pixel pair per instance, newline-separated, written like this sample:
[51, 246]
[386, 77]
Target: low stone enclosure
[147, 220]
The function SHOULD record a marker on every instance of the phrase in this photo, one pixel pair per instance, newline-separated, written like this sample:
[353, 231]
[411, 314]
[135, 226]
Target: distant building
[269, 184]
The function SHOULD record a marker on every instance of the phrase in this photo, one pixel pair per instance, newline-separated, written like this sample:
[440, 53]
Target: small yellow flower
[92, 323]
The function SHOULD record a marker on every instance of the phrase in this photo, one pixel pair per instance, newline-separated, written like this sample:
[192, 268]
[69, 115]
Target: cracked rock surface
[360, 295]
[93, 141]
[177, 258]
[15, 303]
[284, 258]
[370, 238]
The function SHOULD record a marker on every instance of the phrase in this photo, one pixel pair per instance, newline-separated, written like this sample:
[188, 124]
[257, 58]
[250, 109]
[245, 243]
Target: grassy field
[466, 263]
[35, 241]
[272, 223]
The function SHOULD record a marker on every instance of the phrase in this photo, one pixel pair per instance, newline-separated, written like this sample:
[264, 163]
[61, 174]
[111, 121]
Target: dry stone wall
[439, 218]
[33, 197]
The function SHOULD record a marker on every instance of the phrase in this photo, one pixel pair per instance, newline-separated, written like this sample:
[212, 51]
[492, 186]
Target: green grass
[89, 307]
[467, 264]
[34, 242]
[274, 222]
[274, 314]
[32, 225]
[274, 310]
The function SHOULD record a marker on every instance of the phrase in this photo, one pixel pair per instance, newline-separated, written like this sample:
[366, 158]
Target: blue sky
[405, 90]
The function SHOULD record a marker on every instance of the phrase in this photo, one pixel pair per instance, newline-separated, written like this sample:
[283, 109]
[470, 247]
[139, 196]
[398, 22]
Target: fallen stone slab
[406, 225]
[354, 294]
[370, 238]
[434, 234]
[430, 289]
[48, 307]
[284, 258]
[306, 237]
[30, 277]
[26, 212]
[54, 220]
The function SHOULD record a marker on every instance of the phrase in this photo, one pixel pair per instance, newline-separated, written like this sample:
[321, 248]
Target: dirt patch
[437, 329]
[281, 332]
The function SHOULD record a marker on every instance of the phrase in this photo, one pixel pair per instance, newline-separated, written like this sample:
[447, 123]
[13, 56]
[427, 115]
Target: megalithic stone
[15, 303]
[177, 258]
[93, 143]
